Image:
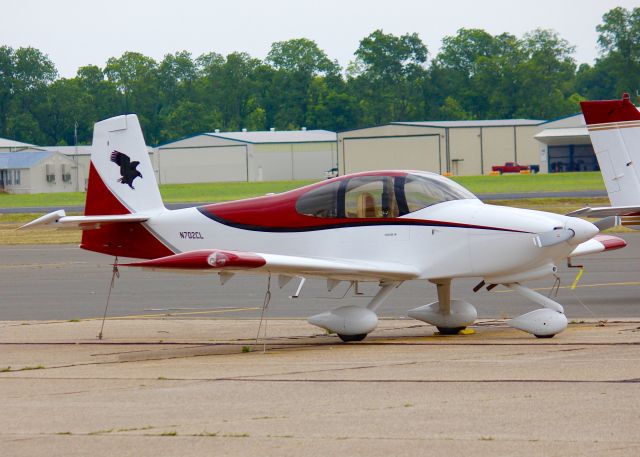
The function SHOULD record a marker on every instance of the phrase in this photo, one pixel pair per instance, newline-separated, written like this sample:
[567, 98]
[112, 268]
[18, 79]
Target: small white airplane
[380, 226]
[614, 128]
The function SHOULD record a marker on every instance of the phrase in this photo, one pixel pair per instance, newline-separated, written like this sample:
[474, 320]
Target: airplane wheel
[350, 338]
[545, 336]
[450, 330]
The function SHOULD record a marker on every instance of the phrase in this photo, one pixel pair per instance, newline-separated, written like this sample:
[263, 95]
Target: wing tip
[610, 242]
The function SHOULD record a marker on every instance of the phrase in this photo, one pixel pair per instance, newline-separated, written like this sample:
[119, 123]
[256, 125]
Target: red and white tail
[614, 128]
[120, 163]
[123, 195]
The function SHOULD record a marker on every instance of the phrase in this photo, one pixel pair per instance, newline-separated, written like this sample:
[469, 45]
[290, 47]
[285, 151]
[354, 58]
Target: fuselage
[460, 237]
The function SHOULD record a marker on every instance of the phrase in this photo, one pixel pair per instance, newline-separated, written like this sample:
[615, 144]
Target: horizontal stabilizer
[606, 211]
[59, 220]
[220, 261]
[607, 223]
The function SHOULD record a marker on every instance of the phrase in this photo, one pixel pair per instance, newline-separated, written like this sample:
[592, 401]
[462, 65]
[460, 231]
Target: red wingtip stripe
[610, 242]
[607, 111]
[204, 259]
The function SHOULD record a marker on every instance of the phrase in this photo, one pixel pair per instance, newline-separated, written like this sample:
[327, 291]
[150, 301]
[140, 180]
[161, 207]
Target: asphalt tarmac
[173, 387]
[63, 282]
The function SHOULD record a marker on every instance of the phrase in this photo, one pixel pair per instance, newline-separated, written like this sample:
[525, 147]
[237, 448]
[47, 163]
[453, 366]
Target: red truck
[513, 167]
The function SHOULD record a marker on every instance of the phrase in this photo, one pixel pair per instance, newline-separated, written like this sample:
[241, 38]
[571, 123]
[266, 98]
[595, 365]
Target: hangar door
[202, 164]
[411, 152]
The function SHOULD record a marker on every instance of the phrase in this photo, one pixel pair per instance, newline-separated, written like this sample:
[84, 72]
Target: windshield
[421, 191]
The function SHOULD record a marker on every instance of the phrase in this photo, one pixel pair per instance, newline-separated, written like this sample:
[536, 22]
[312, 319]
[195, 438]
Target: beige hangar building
[456, 147]
[247, 156]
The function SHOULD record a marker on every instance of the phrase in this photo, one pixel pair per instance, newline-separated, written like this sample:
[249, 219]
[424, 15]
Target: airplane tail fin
[121, 177]
[122, 197]
[614, 127]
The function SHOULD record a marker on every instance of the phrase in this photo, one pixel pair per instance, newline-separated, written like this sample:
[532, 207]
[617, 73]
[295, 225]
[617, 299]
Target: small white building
[7, 145]
[36, 172]
[247, 156]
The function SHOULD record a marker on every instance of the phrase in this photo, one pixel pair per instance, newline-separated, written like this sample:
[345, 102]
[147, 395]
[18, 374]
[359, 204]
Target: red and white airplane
[381, 226]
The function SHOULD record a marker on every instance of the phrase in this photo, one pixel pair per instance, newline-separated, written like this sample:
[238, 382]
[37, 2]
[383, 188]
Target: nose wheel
[447, 315]
[450, 330]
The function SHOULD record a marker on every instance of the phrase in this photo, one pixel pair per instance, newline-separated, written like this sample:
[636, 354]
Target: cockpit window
[422, 191]
[320, 202]
[378, 197]
[370, 197]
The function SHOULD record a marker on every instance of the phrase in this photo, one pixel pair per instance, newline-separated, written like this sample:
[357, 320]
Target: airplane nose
[583, 230]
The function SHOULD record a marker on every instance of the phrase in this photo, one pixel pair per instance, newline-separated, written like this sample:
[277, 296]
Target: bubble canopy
[379, 196]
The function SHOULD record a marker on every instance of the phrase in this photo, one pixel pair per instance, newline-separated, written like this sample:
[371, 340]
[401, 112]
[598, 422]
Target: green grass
[215, 192]
[218, 192]
[554, 182]
[171, 193]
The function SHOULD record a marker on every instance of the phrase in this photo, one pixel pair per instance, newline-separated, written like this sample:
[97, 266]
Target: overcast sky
[80, 32]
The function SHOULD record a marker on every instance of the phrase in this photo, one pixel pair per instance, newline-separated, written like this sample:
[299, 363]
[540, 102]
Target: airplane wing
[59, 220]
[220, 261]
[598, 243]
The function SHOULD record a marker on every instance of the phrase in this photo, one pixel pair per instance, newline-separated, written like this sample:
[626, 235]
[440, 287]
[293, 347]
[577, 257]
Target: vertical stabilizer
[120, 160]
[614, 128]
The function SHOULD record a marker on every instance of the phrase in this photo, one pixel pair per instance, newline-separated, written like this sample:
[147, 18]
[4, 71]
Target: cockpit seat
[366, 205]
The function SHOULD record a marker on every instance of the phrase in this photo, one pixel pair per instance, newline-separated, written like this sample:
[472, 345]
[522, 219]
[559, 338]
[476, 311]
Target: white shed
[36, 172]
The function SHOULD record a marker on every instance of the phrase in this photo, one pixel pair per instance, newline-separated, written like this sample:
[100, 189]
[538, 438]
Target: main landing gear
[543, 323]
[354, 323]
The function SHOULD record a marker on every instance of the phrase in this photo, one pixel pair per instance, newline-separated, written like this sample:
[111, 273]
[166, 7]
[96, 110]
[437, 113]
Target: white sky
[80, 32]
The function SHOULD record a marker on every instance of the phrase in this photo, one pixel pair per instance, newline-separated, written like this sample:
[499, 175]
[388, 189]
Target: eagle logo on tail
[128, 170]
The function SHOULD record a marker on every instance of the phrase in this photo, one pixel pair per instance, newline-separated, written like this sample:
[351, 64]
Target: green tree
[176, 75]
[68, 104]
[387, 77]
[136, 76]
[619, 41]
[546, 76]
[187, 118]
[297, 63]
[6, 85]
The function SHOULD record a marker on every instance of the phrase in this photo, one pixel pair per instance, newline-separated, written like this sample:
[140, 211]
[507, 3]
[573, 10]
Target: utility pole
[75, 155]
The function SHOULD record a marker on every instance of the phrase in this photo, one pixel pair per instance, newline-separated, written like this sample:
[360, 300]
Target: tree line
[475, 75]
